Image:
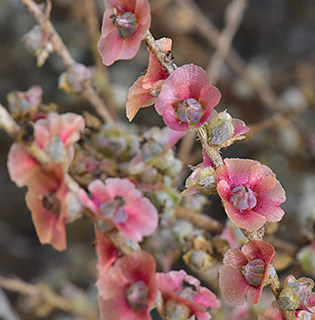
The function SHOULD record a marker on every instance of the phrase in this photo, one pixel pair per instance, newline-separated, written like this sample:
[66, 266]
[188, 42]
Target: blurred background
[267, 79]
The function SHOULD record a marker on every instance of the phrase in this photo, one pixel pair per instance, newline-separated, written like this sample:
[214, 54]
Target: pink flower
[145, 90]
[250, 193]
[65, 128]
[185, 290]
[46, 199]
[187, 98]
[56, 135]
[125, 24]
[246, 272]
[128, 290]
[120, 202]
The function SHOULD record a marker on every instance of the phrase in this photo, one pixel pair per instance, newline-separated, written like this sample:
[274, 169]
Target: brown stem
[64, 53]
[200, 220]
[213, 153]
[164, 60]
[254, 235]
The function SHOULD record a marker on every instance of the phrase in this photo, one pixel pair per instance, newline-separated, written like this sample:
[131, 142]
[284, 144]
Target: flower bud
[76, 78]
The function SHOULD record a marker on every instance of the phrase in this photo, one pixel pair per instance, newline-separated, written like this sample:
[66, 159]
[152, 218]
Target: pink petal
[109, 46]
[142, 221]
[118, 187]
[106, 253]
[21, 165]
[261, 178]
[239, 127]
[49, 228]
[239, 170]
[249, 220]
[257, 249]
[254, 293]
[235, 258]
[233, 285]
[99, 192]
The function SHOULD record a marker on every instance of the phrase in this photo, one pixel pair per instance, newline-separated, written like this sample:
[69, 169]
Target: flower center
[126, 24]
[51, 202]
[254, 272]
[243, 198]
[186, 290]
[115, 209]
[189, 111]
[137, 295]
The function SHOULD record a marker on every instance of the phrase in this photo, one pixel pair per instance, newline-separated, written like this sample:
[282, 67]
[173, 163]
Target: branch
[164, 60]
[209, 31]
[89, 93]
[45, 299]
[233, 14]
[200, 220]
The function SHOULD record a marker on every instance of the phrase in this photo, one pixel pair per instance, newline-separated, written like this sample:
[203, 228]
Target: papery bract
[125, 24]
[202, 179]
[222, 130]
[145, 90]
[120, 202]
[187, 98]
[297, 294]
[246, 271]
[128, 291]
[250, 193]
[185, 290]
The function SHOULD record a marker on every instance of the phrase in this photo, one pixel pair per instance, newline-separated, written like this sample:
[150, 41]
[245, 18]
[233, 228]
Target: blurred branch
[276, 120]
[200, 220]
[65, 55]
[186, 146]
[94, 29]
[233, 16]
[209, 31]
[44, 299]
[6, 311]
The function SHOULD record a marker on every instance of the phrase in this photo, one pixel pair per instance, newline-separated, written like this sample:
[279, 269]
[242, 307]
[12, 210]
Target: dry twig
[89, 93]
[233, 16]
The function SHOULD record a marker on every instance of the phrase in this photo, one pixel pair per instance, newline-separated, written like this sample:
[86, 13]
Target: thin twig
[213, 153]
[233, 15]
[276, 120]
[186, 146]
[200, 220]
[90, 93]
[94, 29]
[46, 298]
[209, 31]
